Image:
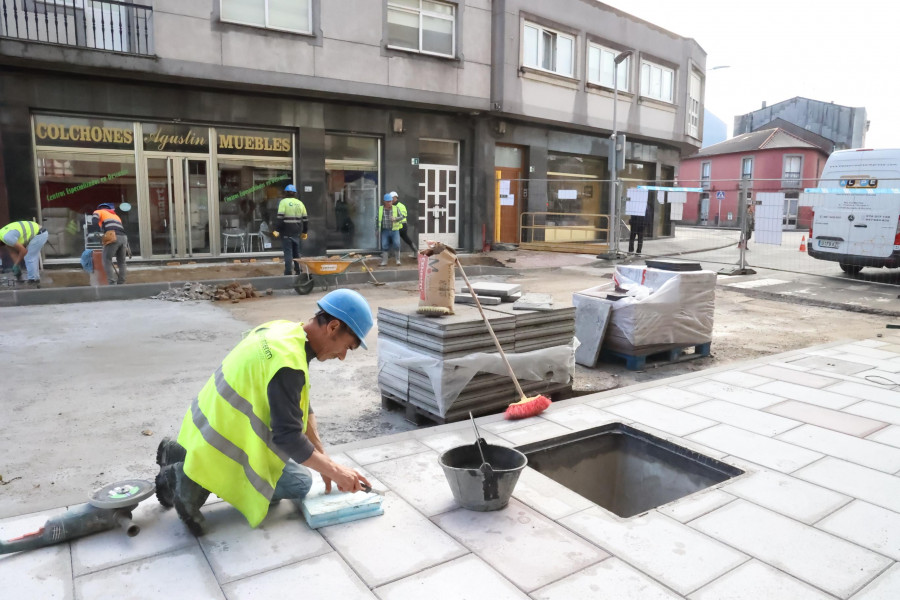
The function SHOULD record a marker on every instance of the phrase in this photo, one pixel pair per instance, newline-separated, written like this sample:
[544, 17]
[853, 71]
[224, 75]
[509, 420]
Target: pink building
[784, 158]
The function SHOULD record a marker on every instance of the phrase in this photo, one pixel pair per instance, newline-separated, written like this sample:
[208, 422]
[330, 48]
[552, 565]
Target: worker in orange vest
[115, 242]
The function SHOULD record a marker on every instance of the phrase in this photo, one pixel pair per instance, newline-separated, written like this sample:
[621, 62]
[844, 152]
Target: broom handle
[491, 331]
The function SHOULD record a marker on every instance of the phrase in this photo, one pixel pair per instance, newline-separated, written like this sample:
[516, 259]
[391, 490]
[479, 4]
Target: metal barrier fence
[108, 25]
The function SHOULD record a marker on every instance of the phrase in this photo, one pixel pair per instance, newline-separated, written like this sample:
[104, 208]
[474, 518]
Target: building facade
[844, 125]
[193, 116]
[769, 160]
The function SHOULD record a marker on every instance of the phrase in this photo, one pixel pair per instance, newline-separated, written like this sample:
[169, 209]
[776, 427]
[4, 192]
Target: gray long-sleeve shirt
[285, 415]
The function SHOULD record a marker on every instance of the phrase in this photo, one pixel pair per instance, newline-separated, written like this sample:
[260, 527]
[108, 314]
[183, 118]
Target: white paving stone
[756, 448]
[798, 377]
[803, 393]
[41, 573]
[754, 580]
[609, 400]
[578, 416]
[161, 532]
[875, 410]
[548, 497]
[674, 421]
[460, 437]
[671, 396]
[525, 547]
[818, 558]
[180, 575]
[504, 425]
[787, 495]
[868, 525]
[863, 452]
[863, 391]
[663, 548]
[236, 550]
[885, 587]
[863, 350]
[612, 579]
[468, 577]
[889, 435]
[856, 481]
[689, 508]
[736, 394]
[534, 433]
[739, 378]
[743, 417]
[418, 479]
[371, 454]
[835, 420]
[325, 577]
[396, 544]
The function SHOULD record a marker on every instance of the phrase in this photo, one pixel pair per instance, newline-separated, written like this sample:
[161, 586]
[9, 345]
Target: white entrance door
[439, 204]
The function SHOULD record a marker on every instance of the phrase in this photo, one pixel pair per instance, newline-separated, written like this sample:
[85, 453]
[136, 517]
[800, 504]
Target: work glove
[17, 271]
[303, 236]
[275, 234]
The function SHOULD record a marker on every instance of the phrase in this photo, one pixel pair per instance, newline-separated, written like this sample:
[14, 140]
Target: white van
[860, 228]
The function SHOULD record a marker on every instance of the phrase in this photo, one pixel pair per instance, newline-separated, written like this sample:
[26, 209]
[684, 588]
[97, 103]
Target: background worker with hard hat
[115, 242]
[390, 220]
[24, 240]
[404, 230]
[292, 223]
[250, 434]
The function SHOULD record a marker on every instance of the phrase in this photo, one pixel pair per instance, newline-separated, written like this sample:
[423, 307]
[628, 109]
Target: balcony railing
[109, 25]
[790, 180]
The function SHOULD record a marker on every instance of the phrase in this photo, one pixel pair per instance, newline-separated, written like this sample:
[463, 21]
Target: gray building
[193, 115]
[844, 125]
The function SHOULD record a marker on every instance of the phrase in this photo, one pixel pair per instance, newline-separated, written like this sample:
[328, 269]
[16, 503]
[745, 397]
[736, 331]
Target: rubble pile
[234, 291]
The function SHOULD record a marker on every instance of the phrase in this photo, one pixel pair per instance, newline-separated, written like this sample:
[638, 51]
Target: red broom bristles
[527, 407]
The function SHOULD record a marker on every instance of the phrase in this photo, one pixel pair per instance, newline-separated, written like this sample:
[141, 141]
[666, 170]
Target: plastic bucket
[471, 488]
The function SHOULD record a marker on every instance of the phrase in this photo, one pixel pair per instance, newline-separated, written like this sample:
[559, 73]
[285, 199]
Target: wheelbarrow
[324, 271]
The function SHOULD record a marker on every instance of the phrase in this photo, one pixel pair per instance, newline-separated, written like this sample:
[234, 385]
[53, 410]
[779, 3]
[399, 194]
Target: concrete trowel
[110, 506]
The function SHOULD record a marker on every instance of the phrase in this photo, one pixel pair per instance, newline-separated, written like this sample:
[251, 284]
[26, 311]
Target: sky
[845, 52]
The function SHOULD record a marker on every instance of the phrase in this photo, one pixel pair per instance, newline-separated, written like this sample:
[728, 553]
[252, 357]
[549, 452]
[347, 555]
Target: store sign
[75, 132]
[256, 143]
[176, 137]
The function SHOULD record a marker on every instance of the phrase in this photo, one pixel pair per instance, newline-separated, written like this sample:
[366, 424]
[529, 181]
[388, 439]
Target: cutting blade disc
[122, 493]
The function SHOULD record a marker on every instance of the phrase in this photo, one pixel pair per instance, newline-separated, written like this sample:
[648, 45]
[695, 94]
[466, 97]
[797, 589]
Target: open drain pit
[623, 469]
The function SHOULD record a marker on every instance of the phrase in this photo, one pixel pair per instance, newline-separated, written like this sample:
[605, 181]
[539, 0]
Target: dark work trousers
[290, 244]
[404, 235]
[636, 224]
[115, 250]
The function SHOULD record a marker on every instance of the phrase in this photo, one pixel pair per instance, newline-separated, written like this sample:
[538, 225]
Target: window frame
[389, 5]
[694, 105]
[625, 65]
[705, 174]
[309, 8]
[645, 93]
[744, 173]
[791, 182]
[557, 33]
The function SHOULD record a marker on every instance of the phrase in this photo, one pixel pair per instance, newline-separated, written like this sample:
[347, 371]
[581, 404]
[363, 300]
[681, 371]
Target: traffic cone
[803, 244]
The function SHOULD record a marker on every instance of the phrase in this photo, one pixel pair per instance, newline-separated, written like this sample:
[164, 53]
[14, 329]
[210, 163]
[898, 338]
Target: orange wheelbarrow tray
[325, 271]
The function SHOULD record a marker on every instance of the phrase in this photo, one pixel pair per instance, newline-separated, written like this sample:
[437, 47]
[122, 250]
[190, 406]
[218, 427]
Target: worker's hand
[275, 234]
[303, 236]
[347, 480]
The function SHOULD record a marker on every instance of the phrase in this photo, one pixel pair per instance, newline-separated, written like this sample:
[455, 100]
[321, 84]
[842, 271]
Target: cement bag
[437, 266]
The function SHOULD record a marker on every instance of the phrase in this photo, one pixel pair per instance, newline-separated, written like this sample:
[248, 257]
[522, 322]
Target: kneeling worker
[250, 434]
[24, 240]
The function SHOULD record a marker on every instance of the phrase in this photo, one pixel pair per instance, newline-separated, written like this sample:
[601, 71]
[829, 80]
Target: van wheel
[850, 269]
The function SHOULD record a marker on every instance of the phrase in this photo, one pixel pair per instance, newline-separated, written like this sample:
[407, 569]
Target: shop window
[548, 50]
[249, 193]
[422, 26]
[352, 179]
[72, 184]
[576, 185]
[285, 15]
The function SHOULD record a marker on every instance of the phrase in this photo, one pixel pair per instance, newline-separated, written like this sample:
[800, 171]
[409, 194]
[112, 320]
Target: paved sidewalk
[816, 514]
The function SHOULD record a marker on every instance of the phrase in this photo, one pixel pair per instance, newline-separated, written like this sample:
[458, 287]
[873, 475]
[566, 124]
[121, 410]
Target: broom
[526, 407]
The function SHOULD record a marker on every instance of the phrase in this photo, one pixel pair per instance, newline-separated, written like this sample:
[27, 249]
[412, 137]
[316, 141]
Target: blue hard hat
[291, 188]
[388, 197]
[350, 307]
[107, 205]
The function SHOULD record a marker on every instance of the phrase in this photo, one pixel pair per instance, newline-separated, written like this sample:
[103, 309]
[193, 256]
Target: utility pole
[614, 161]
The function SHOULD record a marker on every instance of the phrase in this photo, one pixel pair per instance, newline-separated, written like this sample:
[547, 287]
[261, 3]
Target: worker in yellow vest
[291, 225]
[23, 241]
[250, 436]
[404, 229]
[390, 221]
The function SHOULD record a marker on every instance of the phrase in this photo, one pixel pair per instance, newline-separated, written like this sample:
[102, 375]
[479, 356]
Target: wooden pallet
[637, 360]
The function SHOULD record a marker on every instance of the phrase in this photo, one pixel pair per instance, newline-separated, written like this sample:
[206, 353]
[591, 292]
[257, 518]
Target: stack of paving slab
[489, 293]
[458, 336]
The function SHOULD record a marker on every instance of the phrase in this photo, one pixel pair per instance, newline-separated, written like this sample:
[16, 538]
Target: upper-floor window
[657, 82]
[287, 15]
[548, 50]
[705, 169]
[602, 71]
[747, 168]
[694, 106]
[422, 26]
[791, 172]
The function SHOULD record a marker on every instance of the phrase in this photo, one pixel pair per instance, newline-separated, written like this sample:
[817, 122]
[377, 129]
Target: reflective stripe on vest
[294, 210]
[109, 220]
[27, 230]
[227, 430]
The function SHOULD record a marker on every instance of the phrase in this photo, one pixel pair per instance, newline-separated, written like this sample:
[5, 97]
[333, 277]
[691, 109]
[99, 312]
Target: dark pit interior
[623, 469]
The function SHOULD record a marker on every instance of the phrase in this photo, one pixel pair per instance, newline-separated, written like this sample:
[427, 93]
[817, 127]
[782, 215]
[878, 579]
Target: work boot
[165, 487]
[34, 284]
[384, 257]
[169, 452]
[398, 258]
[189, 497]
